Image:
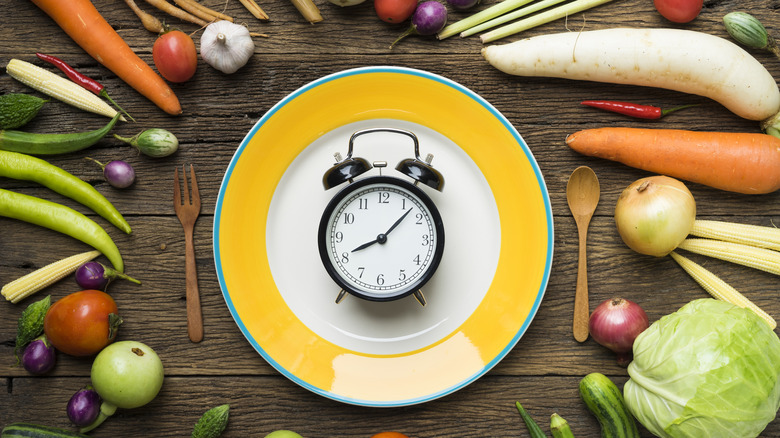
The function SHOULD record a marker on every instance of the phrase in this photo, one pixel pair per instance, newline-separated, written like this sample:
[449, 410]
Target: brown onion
[615, 324]
[655, 214]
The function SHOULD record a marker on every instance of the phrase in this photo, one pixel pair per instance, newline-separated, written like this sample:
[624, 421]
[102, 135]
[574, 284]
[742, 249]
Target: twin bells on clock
[352, 167]
[381, 237]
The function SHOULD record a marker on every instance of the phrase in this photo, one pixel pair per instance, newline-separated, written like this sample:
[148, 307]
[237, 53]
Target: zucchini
[605, 402]
[30, 430]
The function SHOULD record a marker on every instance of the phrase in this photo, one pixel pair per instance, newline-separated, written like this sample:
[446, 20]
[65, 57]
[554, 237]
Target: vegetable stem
[309, 10]
[149, 21]
[560, 427]
[522, 12]
[480, 17]
[255, 9]
[176, 12]
[542, 18]
[106, 410]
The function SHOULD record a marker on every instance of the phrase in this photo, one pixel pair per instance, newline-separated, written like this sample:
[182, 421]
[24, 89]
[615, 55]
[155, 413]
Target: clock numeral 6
[380, 279]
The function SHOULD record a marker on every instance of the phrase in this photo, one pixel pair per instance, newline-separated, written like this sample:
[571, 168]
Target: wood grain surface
[542, 371]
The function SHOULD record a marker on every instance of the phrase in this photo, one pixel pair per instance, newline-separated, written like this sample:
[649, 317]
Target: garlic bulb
[226, 46]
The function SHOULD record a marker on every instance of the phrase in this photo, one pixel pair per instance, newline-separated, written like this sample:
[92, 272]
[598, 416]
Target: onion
[615, 324]
[655, 214]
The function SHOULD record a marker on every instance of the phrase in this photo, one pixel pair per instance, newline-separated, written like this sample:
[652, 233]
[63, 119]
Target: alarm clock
[381, 237]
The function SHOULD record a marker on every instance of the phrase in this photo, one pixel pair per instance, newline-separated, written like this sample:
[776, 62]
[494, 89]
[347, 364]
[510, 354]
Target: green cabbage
[711, 369]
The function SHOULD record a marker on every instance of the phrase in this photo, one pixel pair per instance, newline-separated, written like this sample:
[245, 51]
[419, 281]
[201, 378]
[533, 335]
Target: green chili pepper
[60, 218]
[52, 144]
[24, 167]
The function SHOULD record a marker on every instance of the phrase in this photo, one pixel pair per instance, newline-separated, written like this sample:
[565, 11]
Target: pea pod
[52, 144]
[60, 218]
[24, 167]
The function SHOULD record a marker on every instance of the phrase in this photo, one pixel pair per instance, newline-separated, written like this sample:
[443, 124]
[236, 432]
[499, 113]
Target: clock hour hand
[382, 238]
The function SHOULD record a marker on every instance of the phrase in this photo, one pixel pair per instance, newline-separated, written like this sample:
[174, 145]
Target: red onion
[615, 324]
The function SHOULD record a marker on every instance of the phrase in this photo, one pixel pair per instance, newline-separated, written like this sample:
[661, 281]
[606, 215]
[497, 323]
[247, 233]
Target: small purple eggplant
[94, 275]
[428, 19]
[118, 173]
[84, 407]
[39, 356]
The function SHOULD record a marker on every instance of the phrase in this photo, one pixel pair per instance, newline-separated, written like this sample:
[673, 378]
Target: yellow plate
[489, 285]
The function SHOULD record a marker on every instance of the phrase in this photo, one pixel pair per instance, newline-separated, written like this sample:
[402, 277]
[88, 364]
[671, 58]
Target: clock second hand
[382, 238]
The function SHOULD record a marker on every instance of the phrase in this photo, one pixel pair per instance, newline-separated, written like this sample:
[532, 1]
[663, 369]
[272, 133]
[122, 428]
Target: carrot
[84, 24]
[746, 163]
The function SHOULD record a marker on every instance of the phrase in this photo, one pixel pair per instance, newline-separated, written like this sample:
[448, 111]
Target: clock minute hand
[382, 238]
[398, 222]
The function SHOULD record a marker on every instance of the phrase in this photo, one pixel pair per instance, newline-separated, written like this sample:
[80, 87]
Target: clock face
[381, 238]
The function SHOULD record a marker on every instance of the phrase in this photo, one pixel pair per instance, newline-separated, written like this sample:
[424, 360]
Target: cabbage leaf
[711, 369]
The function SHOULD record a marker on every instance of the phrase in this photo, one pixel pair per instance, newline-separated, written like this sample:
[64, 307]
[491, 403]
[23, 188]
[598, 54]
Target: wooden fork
[188, 210]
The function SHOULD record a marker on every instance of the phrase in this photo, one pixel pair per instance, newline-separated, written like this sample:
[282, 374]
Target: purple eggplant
[84, 407]
[39, 356]
[428, 19]
[94, 275]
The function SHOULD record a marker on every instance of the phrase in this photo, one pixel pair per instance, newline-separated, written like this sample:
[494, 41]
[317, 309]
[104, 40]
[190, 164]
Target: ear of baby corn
[746, 234]
[37, 280]
[59, 88]
[750, 256]
[719, 289]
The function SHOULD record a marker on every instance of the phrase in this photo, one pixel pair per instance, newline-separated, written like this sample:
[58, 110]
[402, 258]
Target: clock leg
[342, 294]
[420, 297]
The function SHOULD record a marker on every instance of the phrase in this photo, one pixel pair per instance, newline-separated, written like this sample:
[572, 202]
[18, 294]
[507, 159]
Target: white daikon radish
[681, 60]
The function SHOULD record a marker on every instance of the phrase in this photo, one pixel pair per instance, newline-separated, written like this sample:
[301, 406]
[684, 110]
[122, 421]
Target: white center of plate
[471, 248]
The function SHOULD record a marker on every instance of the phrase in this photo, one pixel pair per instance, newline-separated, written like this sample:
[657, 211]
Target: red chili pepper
[632, 109]
[81, 79]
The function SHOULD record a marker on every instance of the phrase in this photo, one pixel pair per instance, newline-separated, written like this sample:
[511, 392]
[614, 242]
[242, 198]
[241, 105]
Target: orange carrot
[84, 24]
[746, 163]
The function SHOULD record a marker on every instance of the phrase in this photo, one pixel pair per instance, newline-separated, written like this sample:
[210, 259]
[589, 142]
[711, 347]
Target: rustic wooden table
[542, 370]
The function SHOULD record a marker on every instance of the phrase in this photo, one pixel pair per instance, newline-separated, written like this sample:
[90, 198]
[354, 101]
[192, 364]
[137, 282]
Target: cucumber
[17, 109]
[605, 402]
[30, 430]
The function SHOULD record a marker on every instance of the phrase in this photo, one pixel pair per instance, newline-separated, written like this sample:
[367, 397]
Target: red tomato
[389, 435]
[394, 11]
[679, 11]
[175, 56]
[78, 324]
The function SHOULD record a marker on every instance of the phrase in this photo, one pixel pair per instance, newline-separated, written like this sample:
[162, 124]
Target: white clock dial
[382, 239]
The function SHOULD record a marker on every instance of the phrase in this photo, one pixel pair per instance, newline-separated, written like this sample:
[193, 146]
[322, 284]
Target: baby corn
[35, 281]
[59, 88]
[718, 288]
[753, 235]
[746, 255]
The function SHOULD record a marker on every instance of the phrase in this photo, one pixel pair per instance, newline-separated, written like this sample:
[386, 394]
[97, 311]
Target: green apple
[127, 374]
[283, 434]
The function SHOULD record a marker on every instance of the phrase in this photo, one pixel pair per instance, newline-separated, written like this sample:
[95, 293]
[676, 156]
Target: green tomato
[283, 434]
[127, 374]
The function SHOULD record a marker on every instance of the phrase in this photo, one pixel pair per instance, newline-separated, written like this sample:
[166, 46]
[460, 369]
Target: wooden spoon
[582, 193]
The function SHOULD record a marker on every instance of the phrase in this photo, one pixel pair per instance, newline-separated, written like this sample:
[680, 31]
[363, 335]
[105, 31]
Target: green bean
[52, 144]
[60, 218]
[24, 167]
